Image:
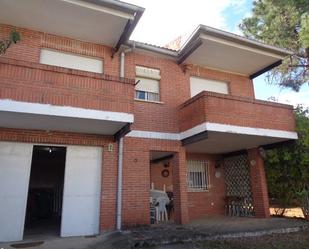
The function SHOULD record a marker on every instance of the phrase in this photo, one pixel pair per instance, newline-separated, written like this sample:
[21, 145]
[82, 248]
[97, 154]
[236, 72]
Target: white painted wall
[198, 85]
[82, 188]
[15, 164]
[69, 60]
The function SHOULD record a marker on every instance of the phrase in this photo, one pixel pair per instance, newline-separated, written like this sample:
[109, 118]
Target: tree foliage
[287, 168]
[14, 37]
[283, 23]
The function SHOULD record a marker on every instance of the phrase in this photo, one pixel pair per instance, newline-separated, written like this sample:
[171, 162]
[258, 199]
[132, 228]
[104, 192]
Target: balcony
[36, 96]
[219, 123]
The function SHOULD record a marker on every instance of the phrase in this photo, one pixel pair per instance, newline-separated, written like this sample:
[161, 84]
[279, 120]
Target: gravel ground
[298, 240]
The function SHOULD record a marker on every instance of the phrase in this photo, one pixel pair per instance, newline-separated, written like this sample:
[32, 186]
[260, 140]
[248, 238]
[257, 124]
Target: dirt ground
[298, 240]
[289, 212]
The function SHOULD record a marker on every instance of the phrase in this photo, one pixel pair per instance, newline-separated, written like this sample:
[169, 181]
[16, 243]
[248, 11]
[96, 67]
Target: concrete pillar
[180, 188]
[258, 184]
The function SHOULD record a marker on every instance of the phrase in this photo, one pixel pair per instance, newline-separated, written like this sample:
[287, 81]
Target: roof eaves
[132, 9]
[243, 40]
[153, 48]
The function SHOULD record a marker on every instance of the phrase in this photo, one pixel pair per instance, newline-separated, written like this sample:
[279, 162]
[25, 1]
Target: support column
[258, 184]
[180, 187]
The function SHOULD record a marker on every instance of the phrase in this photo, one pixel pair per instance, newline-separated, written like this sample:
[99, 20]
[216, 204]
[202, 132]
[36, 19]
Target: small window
[198, 175]
[69, 60]
[198, 85]
[147, 87]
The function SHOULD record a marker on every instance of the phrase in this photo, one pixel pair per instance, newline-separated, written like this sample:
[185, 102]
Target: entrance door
[43, 215]
[82, 188]
[15, 162]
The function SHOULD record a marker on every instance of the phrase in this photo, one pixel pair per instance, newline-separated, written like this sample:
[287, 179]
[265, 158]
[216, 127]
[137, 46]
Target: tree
[283, 23]
[14, 37]
[287, 168]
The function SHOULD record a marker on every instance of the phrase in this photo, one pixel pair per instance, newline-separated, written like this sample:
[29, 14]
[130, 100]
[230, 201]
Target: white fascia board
[99, 8]
[8, 105]
[153, 135]
[215, 127]
[251, 131]
[240, 46]
[208, 126]
[193, 131]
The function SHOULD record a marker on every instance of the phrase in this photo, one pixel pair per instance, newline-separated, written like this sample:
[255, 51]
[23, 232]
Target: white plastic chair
[161, 212]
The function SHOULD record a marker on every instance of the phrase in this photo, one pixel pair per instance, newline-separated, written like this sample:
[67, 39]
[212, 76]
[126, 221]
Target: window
[69, 60]
[198, 175]
[198, 85]
[147, 87]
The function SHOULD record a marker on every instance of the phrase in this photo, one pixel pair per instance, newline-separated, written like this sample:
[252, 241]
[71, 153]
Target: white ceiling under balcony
[35, 116]
[70, 18]
[224, 142]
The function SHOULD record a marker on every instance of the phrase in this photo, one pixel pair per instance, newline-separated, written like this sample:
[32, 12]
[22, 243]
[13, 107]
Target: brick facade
[22, 78]
[210, 202]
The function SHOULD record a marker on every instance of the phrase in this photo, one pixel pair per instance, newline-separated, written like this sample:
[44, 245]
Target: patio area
[210, 228]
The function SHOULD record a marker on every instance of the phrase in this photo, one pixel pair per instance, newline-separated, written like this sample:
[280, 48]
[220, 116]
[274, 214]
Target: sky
[165, 20]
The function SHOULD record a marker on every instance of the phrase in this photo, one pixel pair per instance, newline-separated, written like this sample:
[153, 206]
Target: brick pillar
[108, 188]
[180, 188]
[258, 184]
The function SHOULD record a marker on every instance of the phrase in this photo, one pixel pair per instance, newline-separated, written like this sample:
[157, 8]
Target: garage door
[82, 188]
[15, 164]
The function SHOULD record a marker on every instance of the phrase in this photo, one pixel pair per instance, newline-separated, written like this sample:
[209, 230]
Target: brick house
[90, 121]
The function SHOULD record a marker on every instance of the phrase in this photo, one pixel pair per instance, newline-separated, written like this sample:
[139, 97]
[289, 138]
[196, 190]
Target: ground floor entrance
[45, 194]
[49, 189]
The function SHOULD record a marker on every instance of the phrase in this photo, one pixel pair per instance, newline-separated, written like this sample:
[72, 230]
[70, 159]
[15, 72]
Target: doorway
[45, 193]
[161, 187]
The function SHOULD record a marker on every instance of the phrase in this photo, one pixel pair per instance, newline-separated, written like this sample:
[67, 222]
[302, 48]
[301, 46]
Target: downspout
[120, 154]
[119, 189]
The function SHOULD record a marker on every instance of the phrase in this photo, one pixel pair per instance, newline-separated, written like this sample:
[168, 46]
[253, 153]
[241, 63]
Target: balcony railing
[234, 110]
[37, 83]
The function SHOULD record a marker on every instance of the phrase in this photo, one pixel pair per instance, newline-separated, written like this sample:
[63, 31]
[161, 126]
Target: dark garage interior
[44, 204]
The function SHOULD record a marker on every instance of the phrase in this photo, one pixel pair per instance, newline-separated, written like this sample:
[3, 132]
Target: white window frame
[145, 73]
[198, 178]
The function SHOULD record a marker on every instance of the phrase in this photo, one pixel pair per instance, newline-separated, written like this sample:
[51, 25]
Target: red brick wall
[28, 49]
[258, 184]
[109, 167]
[136, 182]
[157, 179]
[233, 110]
[32, 82]
[22, 78]
[209, 202]
[174, 89]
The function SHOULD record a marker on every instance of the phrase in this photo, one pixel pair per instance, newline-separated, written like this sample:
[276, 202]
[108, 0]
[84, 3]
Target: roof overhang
[34, 116]
[107, 22]
[225, 51]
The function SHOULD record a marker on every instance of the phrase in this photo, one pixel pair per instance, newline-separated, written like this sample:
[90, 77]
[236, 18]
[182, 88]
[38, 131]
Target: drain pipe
[120, 154]
[119, 188]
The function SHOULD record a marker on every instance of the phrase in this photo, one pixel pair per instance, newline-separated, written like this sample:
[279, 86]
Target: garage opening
[45, 194]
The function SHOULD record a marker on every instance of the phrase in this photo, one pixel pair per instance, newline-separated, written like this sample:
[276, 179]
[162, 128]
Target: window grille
[198, 175]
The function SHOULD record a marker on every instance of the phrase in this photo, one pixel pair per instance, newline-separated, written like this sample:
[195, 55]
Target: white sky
[165, 20]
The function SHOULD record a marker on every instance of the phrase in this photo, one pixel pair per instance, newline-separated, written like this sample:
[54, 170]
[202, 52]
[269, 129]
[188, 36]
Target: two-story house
[91, 123]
